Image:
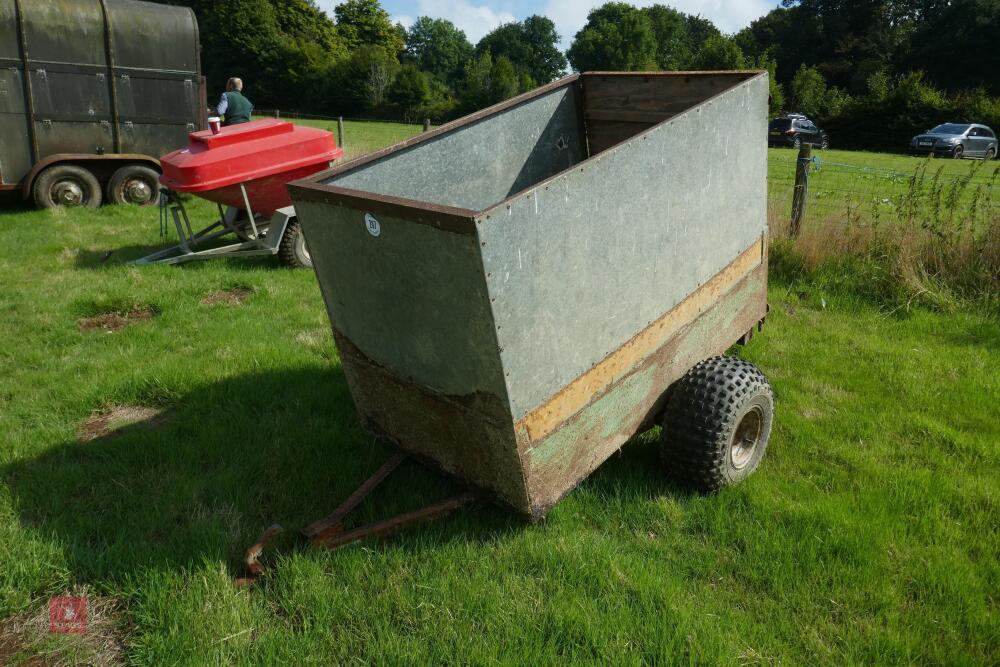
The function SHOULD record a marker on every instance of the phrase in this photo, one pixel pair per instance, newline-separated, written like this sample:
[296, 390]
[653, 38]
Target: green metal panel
[9, 49]
[65, 31]
[137, 25]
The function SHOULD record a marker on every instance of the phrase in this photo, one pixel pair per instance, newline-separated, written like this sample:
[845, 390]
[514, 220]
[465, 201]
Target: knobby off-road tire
[293, 251]
[717, 423]
[66, 185]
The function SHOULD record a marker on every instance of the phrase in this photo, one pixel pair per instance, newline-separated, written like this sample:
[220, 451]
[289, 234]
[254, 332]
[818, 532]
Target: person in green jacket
[233, 105]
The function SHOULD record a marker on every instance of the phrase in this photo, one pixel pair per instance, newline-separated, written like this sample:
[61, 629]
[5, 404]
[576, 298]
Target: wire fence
[935, 195]
[295, 115]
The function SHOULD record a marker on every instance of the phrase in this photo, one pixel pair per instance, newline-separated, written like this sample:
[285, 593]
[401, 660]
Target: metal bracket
[329, 531]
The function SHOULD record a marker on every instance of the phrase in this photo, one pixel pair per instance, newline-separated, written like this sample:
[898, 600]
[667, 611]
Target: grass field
[877, 187]
[869, 535]
[362, 137]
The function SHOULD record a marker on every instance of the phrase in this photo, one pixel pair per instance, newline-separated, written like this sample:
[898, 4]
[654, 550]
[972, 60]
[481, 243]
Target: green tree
[809, 91]
[617, 36]
[365, 23]
[438, 47]
[958, 45]
[488, 81]
[673, 48]
[531, 46]
[410, 91]
[363, 80]
[719, 52]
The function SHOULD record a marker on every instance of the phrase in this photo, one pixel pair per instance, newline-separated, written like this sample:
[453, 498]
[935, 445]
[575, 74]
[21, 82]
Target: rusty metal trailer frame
[556, 263]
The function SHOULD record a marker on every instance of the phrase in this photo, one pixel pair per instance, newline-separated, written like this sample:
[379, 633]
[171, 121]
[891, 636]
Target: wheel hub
[67, 193]
[746, 438]
[137, 191]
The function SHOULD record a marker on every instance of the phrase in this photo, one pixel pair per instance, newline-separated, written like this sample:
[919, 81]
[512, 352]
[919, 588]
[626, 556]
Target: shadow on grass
[203, 478]
[99, 259]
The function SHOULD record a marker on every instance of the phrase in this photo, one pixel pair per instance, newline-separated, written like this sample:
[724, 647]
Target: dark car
[793, 131]
[957, 140]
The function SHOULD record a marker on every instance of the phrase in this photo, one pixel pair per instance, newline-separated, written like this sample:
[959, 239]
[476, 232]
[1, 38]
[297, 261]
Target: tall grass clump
[934, 241]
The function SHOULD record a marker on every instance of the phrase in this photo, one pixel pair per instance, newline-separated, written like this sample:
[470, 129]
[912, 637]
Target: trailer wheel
[717, 423]
[66, 185]
[134, 184]
[293, 251]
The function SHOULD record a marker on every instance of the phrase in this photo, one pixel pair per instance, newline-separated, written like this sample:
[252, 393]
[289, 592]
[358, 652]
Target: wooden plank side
[619, 106]
[603, 134]
[554, 466]
[674, 92]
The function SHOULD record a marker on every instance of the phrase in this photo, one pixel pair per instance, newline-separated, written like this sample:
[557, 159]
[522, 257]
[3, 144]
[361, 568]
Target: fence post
[801, 189]
[277, 113]
[427, 124]
[340, 131]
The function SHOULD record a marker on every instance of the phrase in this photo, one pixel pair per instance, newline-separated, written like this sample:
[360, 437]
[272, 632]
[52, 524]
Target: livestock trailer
[518, 293]
[92, 92]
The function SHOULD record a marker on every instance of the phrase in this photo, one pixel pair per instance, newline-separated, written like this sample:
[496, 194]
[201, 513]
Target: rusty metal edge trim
[446, 218]
[362, 160]
[389, 526]
[593, 383]
[538, 512]
[703, 72]
[590, 161]
[332, 522]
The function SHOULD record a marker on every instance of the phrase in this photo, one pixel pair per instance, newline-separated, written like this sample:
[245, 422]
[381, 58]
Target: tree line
[871, 71]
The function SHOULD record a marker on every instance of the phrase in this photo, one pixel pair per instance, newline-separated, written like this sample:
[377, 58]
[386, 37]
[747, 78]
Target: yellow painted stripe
[546, 418]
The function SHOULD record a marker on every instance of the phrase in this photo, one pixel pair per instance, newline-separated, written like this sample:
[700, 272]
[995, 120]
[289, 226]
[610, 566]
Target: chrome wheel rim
[67, 193]
[137, 191]
[746, 438]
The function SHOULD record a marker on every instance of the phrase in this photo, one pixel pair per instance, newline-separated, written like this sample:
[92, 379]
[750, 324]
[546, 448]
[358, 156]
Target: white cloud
[729, 15]
[475, 18]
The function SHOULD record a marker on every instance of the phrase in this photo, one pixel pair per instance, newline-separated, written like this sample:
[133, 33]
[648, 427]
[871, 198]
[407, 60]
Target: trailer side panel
[580, 263]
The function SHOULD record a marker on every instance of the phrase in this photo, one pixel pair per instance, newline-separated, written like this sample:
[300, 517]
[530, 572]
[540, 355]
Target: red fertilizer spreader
[243, 169]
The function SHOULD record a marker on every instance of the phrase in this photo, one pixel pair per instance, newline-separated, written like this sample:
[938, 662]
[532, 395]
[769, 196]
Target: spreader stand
[256, 235]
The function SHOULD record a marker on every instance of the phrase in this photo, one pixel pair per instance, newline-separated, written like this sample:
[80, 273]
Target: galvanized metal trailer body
[512, 294]
[97, 83]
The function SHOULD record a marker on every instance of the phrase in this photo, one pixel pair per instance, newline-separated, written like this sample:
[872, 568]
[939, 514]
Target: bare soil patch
[115, 321]
[233, 296]
[116, 417]
[25, 639]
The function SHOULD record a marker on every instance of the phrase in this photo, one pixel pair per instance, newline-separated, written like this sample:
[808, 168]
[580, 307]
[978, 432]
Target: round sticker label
[371, 224]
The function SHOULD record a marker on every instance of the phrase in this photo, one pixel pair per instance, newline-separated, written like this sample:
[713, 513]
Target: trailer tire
[134, 184]
[293, 251]
[717, 423]
[66, 185]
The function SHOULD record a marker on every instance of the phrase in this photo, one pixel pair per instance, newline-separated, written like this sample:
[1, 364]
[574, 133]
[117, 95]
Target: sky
[478, 17]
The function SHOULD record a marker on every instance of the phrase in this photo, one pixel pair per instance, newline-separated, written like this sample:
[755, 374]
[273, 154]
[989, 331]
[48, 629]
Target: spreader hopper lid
[245, 152]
